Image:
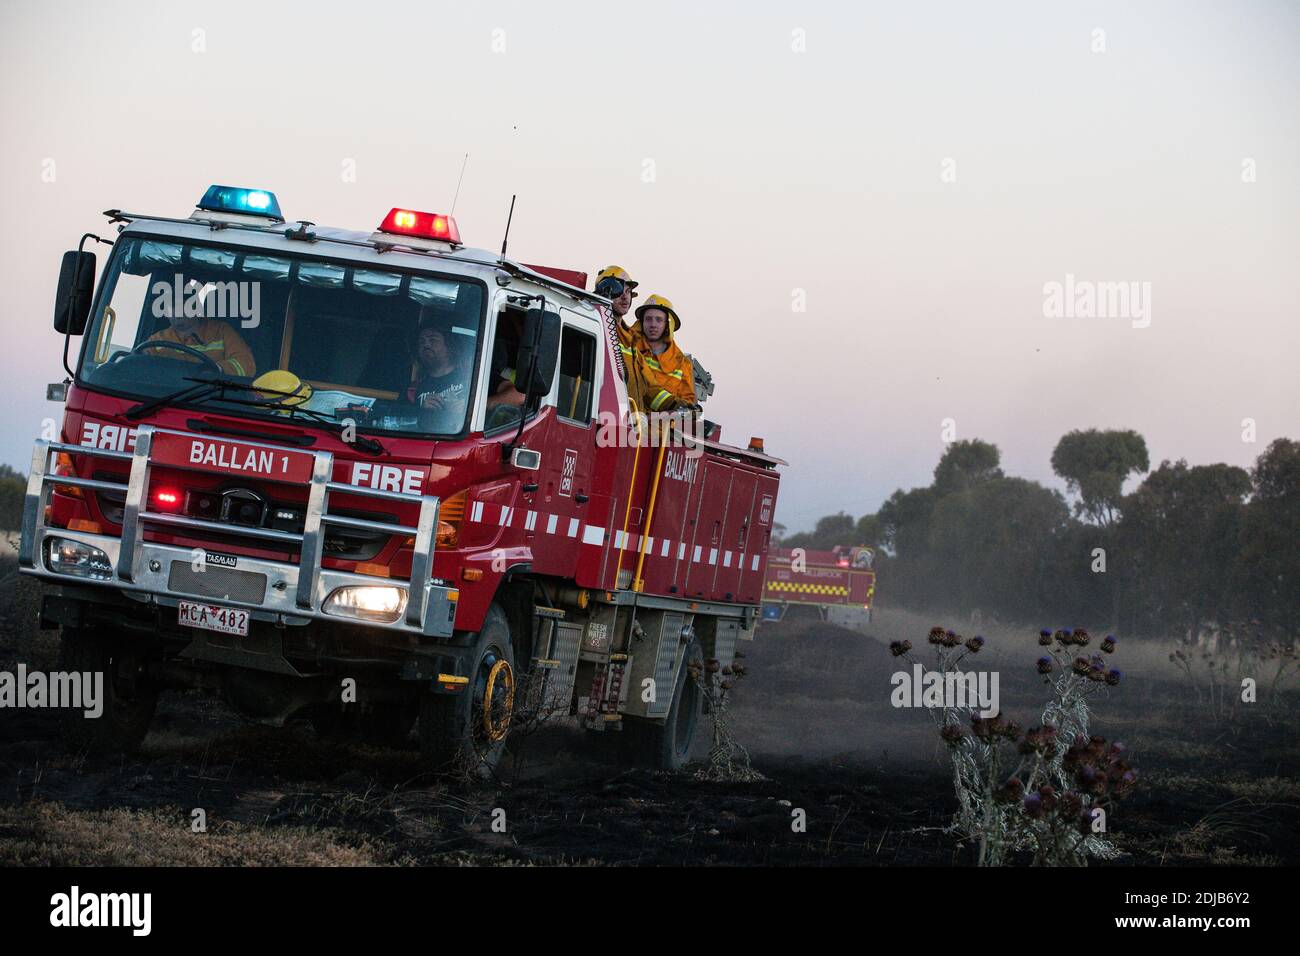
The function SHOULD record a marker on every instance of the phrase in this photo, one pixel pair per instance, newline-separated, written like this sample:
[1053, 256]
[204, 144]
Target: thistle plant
[728, 759]
[1043, 791]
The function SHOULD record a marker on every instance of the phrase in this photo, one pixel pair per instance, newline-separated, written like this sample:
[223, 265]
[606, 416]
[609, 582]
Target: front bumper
[282, 592]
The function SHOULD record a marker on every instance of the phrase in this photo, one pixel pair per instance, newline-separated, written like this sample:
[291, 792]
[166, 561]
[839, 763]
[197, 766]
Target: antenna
[506, 237]
[458, 182]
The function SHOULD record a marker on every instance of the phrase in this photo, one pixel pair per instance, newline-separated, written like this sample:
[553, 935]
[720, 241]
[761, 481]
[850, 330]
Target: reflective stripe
[659, 399]
[234, 363]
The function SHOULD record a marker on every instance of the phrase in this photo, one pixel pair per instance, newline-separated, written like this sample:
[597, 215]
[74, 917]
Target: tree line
[1190, 544]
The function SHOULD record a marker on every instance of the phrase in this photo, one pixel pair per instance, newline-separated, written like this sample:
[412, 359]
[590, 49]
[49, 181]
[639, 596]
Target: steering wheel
[174, 346]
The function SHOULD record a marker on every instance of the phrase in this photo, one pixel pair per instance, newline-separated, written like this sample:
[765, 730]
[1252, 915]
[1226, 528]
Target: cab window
[575, 374]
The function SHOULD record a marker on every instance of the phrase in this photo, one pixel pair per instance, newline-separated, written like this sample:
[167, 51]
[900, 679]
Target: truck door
[735, 536]
[568, 447]
[703, 551]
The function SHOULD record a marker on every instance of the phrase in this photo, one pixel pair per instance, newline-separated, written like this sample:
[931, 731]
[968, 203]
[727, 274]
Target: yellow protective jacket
[218, 341]
[667, 380]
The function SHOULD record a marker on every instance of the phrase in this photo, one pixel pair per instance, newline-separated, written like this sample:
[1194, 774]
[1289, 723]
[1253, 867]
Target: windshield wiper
[203, 387]
[188, 393]
[364, 442]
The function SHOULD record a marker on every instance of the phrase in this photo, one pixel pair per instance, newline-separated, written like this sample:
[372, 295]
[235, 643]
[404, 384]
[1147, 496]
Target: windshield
[389, 351]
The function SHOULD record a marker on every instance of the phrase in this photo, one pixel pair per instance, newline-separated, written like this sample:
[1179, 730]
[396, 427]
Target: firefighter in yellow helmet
[665, 368]
[614, 284]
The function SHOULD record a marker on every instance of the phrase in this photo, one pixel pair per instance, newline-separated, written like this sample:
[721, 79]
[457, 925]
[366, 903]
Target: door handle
[581, 499]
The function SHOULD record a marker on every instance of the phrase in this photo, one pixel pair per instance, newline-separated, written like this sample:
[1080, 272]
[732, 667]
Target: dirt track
[814, 714]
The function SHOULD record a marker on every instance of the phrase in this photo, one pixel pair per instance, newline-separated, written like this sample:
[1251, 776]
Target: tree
[993, 545]
[965, 463]
[1181, 533]
[830, 531]
[13, 488]
[1095, 464]
[869, 531]
[1267, 573]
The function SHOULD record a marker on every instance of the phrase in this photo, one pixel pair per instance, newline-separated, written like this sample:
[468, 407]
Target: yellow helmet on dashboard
[283, 387]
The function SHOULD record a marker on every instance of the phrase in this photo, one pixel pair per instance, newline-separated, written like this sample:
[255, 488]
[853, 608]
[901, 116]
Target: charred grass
[867, 780]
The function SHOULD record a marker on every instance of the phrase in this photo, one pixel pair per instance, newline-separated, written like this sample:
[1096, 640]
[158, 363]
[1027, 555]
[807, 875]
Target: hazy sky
[855, 207]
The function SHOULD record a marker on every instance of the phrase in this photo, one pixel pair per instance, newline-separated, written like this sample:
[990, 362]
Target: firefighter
[214, 339]
[613, 283]
[439, 373]
[665, 368]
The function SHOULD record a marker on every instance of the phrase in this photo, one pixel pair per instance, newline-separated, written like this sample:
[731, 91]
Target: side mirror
[539, 348]
[76, 290]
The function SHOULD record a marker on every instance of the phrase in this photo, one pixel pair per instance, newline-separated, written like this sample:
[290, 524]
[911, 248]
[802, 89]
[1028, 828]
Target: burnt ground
[814, 713]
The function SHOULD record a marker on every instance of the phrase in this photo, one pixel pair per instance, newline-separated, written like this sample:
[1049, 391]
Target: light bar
[422, 225]
[249, 202]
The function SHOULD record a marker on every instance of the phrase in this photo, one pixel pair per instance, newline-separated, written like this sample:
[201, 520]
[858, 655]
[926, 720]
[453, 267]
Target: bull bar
[294, 590]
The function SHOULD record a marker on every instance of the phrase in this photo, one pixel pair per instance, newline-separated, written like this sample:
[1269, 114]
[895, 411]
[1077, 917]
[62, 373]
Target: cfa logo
[567, 473]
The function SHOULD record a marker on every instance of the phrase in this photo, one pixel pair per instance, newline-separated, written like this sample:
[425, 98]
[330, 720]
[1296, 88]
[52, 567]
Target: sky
[858, 209]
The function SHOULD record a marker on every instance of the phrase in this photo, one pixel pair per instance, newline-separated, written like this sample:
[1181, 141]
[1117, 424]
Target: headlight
[65, 556]
[368, 603]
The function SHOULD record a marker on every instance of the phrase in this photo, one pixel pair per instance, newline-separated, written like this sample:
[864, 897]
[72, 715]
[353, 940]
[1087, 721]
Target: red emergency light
[167, 499]
[422, 225]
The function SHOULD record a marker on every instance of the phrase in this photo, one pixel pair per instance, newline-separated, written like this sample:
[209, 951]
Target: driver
[439, 375]
[215, 339]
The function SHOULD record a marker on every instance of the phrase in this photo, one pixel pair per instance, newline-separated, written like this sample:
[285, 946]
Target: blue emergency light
[250, 202]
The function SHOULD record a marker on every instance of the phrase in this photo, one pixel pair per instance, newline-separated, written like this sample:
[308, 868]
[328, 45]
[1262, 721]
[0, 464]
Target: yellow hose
[638, 583]
[636, 413]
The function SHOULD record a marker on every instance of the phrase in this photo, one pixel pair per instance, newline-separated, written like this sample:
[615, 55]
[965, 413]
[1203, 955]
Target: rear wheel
[465, 733]
[667, 746]
[128, 698]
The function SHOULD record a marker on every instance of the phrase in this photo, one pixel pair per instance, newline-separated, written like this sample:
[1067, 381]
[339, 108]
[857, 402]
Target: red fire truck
[380, 479]
[837, 585]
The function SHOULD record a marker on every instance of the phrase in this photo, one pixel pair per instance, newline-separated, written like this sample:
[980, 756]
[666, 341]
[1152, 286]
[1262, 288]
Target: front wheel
[127, 698]
[465, 733]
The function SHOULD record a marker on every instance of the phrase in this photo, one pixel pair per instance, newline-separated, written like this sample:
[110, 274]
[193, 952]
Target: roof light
[236, 199]
[423, 225]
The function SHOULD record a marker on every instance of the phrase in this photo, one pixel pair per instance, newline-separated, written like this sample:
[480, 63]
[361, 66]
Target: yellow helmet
[283, 387]
[659, 302]
[614, 272]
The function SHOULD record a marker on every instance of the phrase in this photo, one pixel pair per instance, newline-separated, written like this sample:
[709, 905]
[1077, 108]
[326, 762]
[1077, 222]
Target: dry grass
[47, 834]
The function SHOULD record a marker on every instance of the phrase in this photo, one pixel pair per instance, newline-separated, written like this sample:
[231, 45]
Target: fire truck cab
[381, 480]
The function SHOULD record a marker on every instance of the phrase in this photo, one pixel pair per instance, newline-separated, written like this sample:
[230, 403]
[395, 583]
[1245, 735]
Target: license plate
[211, 617]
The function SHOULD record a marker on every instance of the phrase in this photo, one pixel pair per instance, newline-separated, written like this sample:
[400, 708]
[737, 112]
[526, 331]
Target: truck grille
[226, 584]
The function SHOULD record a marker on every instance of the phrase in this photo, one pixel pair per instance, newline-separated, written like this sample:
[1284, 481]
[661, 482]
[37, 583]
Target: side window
[577, 367]
[503, 401]
[121, 329]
